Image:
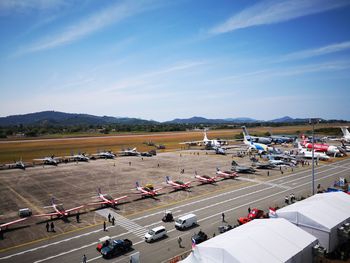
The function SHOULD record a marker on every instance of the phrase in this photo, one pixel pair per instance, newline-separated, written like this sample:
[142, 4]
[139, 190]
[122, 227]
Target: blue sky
[160, 60]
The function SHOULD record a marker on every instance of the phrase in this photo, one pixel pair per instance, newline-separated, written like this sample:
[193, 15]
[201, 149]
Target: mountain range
[62, 118]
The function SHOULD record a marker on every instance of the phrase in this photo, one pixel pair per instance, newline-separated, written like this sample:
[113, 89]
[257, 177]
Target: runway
[208, 207]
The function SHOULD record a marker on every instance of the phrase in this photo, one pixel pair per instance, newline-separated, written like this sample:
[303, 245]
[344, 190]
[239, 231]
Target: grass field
[41, 147]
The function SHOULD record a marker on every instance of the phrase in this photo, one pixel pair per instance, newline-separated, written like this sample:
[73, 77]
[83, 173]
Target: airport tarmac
[208, 206]
[75, 184]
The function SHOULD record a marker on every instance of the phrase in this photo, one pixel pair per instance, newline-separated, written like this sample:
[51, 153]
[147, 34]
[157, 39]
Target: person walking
[109, 217]
[113, 221]
[249, 210]
[52, 227]
[223, 217]
[179, 241]
[84, 258]
[104, 226]
[286, 200]
[47, 227]
[78, 217]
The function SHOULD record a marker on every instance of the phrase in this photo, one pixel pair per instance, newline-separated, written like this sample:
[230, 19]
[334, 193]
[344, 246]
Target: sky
[160, 60]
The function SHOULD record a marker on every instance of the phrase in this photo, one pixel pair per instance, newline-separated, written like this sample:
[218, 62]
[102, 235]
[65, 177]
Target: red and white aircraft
[177, 185]
[107, 199]
[226, 174]
[6, 225]
[147, 191]
[318, 147]
[59, 210]
[205, 179]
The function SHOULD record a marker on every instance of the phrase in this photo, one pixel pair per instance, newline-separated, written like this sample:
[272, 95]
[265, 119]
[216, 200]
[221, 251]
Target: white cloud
[93, 23]
[309, 53]
[271, 12]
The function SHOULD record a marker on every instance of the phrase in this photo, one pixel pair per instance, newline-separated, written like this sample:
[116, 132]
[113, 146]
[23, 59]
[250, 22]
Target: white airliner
[308, 154]
[208, 143]
[346, 134]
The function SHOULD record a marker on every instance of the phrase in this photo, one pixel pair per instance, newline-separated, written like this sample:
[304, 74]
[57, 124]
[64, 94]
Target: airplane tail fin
[205, 136]
[217, 169]
[246, 134]
[99, 190]
[234, 163]
[345, 131]
[137, 184]
[167, 179]
[52, 200]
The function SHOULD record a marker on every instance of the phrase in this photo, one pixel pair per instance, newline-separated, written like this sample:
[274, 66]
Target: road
[208, 207]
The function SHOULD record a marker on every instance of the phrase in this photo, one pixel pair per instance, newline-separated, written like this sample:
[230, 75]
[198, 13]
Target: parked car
[103, 242]
[200, 237]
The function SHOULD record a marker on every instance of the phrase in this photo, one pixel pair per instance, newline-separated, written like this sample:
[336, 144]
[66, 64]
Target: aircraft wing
[120, 198]
[191, 142]
[99, 203]
[12, 222]
[40, 159]
[74, 208]
[158, 189]
[48, 214]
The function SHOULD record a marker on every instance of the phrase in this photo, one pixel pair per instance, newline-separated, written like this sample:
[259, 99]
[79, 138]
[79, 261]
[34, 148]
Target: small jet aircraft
[104, 155]
[106, 199]
[281, 139]
[130, 152]
[308, 154]
[255, 139]
[49, 160]
[147, 191]
[241, 169]
[4, 226]
[59, 210]
[205, 179]
[78, 158]
[16, 164]
[177, 185]
[226, 174]
[260, 165]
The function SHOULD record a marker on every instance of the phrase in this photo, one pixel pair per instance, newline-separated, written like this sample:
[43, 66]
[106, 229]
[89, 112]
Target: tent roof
[261, 240]
[323, 211]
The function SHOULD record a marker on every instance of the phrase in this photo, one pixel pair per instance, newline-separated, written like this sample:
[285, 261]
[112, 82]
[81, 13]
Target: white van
[155, 233]
[186, 221]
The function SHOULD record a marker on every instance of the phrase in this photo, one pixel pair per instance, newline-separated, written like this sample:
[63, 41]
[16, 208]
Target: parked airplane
[259, 147]
[329, 149]
[205, 179]
[78, 158]
[177, 185]
[346, 134]
[16, 164]
[147, 191]
[308, 154]
[241, 169]
[4, 226]
[260, 165]
[255, 139]
[49, 160]
[207, 142]
[130, 152]
[106, 199]
[281, 139]
[59, 211]
[225, 174]
[105, 155]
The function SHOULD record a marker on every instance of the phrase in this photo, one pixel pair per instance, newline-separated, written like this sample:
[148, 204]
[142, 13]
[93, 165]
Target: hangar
[321, 215]
[261, 240]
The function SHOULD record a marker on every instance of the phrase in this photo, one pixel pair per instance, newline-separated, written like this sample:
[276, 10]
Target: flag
[193, 243]
[272, 213]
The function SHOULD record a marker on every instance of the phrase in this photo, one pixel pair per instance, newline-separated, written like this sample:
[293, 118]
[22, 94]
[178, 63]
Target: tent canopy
[261, 240]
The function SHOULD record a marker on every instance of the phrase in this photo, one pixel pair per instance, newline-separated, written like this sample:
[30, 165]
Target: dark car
[117, 247]
[200, 237]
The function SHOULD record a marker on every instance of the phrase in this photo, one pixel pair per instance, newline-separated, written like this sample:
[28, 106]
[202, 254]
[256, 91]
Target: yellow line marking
[22, 198]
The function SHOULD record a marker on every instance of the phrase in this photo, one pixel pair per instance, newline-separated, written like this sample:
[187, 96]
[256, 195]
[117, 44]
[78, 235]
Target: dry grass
[30, 149]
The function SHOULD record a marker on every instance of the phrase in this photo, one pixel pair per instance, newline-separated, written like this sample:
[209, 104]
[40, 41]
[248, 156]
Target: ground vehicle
[254, 214]
[24, 212]
[155, 233]
[116, 247]
[168, 216]
[103, 242]
[223, 229]
[186, 221]
[200, 237]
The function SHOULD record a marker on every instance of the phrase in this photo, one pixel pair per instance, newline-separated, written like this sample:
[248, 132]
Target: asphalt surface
[70, 247]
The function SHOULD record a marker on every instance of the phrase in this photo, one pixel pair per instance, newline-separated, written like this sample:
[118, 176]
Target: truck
[116, 248]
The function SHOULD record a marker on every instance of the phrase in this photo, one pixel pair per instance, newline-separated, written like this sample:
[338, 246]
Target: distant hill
[198, 120]
[62, 118]
[288, 119]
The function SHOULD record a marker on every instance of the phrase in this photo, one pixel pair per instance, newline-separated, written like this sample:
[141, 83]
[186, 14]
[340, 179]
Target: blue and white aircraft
[259, 147]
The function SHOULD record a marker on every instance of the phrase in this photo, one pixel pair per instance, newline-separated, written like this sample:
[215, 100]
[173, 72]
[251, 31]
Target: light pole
[313, 122]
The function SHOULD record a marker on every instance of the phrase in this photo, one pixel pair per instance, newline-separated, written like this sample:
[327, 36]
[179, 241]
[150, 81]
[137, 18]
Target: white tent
[261, 240]
[320, 215]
